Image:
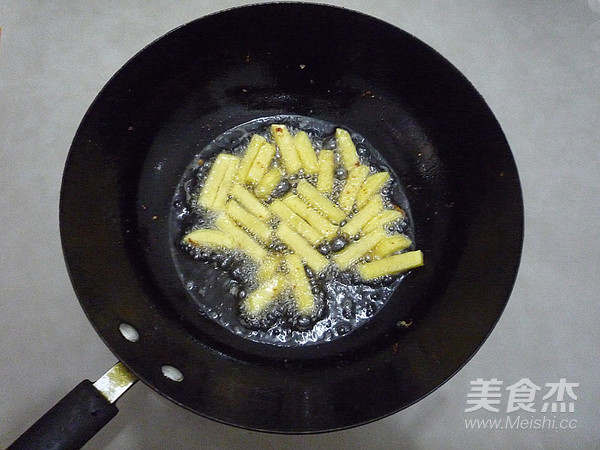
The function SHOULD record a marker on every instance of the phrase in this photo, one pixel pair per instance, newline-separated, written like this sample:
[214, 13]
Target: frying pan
[197, 82]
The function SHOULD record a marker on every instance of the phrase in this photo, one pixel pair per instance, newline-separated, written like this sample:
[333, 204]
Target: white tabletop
[537, 64]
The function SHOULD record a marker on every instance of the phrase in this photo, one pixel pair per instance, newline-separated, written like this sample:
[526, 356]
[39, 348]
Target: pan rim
[121, 348]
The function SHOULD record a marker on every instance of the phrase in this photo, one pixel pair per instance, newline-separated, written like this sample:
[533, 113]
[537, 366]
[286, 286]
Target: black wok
[180, 93]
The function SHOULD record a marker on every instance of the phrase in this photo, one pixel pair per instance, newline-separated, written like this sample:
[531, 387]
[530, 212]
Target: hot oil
[218, 281]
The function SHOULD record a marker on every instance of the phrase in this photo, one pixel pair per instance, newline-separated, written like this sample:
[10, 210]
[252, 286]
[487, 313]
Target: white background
[537, 64]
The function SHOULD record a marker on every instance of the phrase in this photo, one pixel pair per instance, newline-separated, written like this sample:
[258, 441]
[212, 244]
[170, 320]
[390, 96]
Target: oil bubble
[371, 309]
[363, 151]
[343, 329]
[303, 322]
[309, 272]
[226, 262]
[237, 274]
[281, 189]
[341, 173]
[324, 249]
[338, 243]
[348, 308]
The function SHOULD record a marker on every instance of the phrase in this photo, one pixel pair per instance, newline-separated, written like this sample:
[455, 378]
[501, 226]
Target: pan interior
[214, 285]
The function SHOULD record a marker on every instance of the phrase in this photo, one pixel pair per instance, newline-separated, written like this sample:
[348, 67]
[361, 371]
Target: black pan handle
[81, 413]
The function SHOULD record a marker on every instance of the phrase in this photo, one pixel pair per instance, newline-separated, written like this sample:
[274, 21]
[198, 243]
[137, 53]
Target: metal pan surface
[194, 84]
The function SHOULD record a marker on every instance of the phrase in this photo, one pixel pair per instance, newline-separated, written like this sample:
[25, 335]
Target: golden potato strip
[297, 223]
[213, 180]
[384, 218]
[256, 141]
[315, 198]
[314, 218]
[298, 281]
[268, 268]
[268, 183]
[248, 221]
[355, 180]
[361, 218]
[306, 152]
[249, 201]
[287, 149]
[391, 265]
[391, 244]
[246, 243]
[226, 182]
[347, 149]
[326, 167]
[261, 298]
[356, 250]
[206, 237]
[261, 162]
[298, 244]
[371, 187]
